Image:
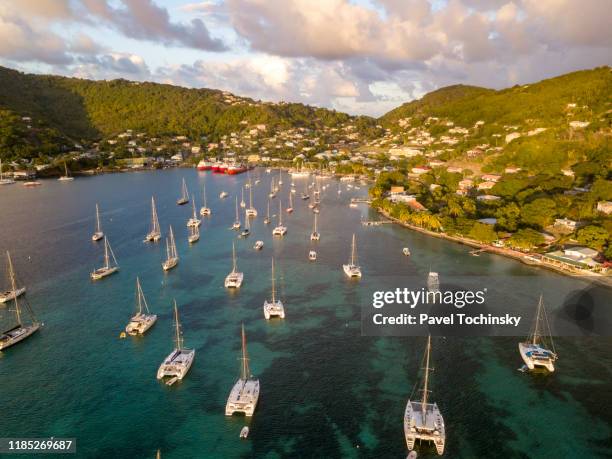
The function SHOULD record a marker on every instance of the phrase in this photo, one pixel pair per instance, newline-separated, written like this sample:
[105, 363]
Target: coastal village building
[574, 259]
[566, 223]
[604, 207]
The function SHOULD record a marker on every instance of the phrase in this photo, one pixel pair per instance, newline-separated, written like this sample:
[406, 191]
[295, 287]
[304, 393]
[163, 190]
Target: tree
[539, 212]
[508, 216]
[593, 236]
[483, 233]
[526, 239]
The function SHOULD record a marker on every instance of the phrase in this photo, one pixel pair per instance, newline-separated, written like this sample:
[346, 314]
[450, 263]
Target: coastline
[526, 258]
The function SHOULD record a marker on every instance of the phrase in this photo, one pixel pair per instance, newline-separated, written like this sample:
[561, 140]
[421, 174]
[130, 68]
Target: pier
[375, 222]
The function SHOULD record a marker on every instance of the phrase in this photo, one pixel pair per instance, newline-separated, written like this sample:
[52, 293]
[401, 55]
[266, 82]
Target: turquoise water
[326, 391]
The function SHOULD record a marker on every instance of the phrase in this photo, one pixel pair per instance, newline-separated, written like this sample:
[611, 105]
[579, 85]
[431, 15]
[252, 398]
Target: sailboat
[5, 181]
[194, 220]
[312, 255]
[423, 420]
[236, 225]
[290, 208]
[242, 203]
[143, 319]
[204, 210]
[184, 199]
[245, 393]
[352, 269]
[20, 331]
[171, 254]
[109, 267]
[273, 308]
[251, 211]
[194, 234]
[247, 227]
[280, 176]
[234, 278]
[315, 236]
[154, 233]
[280, 230]
[272, 189]
[305, 195]
[13, 292]
[267, 220]
[433, 282]
[98, 234]
[66, 177]
[179, 361]
[535, 351]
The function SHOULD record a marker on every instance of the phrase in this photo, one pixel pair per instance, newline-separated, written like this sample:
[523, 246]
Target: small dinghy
[412, 455]
[406, 251]
[244, 433]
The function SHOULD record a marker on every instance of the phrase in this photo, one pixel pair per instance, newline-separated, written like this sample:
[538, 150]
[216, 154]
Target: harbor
[307, 364]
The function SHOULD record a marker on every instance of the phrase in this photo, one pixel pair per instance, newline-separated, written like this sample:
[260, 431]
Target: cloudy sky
[359, 56]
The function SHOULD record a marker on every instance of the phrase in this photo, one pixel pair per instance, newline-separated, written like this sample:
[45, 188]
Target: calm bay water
[326, 390]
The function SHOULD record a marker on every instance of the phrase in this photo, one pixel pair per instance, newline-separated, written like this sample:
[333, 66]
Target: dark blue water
[326, 391]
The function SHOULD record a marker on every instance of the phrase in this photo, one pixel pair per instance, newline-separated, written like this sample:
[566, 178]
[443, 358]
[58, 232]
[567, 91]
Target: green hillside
[545, 101]
[88, 110]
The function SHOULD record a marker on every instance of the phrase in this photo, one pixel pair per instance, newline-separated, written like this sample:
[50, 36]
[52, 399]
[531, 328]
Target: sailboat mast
[154, 220]
[314, 230]
[179, 339]
[280, 212]
[172, 243]
[273, 286]
[426, 384]
[537, 323]
[204, 193]
[139, 295]
[237, 218]
[234, 265]
[106, 257]
[250, 195]
[268, 208]
[97, 219]
[244, 373]
[13, 287]
[352, 250]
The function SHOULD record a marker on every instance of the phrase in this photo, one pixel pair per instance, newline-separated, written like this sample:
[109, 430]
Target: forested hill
[545, 102]
[85, 109]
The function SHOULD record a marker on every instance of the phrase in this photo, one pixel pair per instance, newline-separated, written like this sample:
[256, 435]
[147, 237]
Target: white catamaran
[13, 291]
[234, 278]
[535, 351]
[98, 234]
[204, 210]
[290, 208]
[245, 393]
[246, 232]
[423, 420]
[273, 308]
[352, 269]
[171, 254]
[194, 220]
[178, 363]
[315, 236]
[194, 234]
[109, 267]
[143, 319]
[20, 331]
[154, 233]
[280, 229]
[184, 199]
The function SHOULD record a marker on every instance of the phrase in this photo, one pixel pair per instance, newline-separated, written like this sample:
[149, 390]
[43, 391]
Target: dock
[375, 222]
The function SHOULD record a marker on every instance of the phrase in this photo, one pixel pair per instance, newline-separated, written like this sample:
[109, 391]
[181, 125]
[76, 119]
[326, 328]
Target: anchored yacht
[13, 292]
[109, 267]
[194, 234]
[258, 245]
[251, 210]
[154, 233]
[423, 420]
[237, 224]
[315, 236]
[66, 177]
[184, 199]
[273, 308]
[194, 220]
[171, 253]
[245, 393]
[352, 269]
[267, 219]
[204, 210]
[535, 350]
[20, 331]
[234, 278]
[98, 234]
[143, 319]
[280, 230]
[312, 255]
[178, 363]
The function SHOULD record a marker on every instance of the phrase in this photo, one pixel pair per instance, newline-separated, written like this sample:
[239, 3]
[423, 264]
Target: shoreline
[604, 281]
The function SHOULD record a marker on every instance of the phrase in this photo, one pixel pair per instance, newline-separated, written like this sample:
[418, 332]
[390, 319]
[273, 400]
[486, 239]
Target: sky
[360, 56]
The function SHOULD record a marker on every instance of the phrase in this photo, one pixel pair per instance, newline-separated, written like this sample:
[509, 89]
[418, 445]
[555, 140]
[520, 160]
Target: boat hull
[243, 398]
[354, 272]
[536, 357]
[139, 324]
[11, 295]
[17, 334]
[414, 430]
[177, 364]
[273, 310]
[103, 272]
[234, 280]
[169, 264]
